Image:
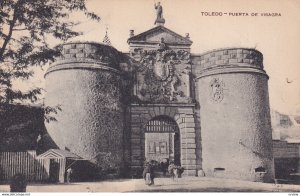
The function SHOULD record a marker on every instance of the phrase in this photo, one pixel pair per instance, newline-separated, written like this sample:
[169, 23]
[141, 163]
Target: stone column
[186, 124]
[187, 72]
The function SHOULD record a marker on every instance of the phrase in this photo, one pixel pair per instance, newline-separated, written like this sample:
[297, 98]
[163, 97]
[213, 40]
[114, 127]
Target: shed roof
[58, 153]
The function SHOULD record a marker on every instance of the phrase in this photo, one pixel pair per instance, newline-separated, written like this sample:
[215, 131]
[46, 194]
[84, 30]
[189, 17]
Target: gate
[162, 140]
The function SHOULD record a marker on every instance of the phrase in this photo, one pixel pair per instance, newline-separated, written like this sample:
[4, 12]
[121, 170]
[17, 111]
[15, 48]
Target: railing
[162, 125]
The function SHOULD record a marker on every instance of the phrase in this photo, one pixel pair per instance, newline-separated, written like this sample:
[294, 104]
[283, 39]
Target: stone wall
[183, 114]
[242, 57]
[86, 84]
[86, 52]
[235, 115]
[231, 108]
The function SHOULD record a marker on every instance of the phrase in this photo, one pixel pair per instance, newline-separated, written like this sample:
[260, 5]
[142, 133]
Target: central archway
[162, 140]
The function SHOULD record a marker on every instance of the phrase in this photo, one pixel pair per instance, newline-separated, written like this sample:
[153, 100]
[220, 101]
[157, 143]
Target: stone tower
[207, 112]
[235, 115]
[86, 83]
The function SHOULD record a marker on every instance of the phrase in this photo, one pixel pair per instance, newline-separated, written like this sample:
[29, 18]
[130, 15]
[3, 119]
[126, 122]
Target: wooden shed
[56, 162]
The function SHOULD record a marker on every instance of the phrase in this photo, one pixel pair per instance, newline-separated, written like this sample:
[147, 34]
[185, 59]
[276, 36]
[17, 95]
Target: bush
[18, 183]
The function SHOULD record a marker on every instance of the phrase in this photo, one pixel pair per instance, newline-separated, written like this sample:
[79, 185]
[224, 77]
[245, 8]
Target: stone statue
[162, 45]
[159, 16]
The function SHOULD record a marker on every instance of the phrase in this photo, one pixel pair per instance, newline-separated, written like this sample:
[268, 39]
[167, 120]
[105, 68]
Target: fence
[26, 163]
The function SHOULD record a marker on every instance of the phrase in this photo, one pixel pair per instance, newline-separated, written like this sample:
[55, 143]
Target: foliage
[49, 112]
[18, 183]
[25, 29]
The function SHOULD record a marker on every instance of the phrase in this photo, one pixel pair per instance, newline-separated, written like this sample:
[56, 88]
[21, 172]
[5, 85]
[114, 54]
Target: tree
[25, 27]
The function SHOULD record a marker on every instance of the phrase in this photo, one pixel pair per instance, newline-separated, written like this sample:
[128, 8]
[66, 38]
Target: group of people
[175, 171]
[148, 172]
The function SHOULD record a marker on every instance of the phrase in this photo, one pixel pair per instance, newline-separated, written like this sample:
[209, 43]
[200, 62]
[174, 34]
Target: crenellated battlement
[86, 55]
[119, 110]
[233, 59]
[232, 56]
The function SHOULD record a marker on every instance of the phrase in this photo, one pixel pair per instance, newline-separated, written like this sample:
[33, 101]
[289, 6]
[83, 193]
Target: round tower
[85, 82]
[235, 122]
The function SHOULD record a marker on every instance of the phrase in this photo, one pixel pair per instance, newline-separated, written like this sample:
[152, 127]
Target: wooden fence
[26, 163]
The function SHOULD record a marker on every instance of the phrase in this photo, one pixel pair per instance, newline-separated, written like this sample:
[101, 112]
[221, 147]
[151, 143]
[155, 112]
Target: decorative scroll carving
[159, 79]
[217, 87]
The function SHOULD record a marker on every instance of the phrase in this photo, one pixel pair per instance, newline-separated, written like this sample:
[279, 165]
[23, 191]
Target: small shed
[56, 162]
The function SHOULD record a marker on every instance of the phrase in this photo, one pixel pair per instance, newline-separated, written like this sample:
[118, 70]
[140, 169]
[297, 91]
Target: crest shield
[161, 70]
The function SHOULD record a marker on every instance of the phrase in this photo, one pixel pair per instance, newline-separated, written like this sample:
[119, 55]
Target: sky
[277, 37]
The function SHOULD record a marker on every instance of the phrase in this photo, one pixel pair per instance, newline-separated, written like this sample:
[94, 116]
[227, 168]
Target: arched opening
[162, 140]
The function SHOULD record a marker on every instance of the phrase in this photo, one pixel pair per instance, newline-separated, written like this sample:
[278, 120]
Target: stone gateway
[208, 113]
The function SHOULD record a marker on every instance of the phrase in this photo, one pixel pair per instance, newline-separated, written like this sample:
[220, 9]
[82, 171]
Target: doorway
[53, 171]
[162, 140]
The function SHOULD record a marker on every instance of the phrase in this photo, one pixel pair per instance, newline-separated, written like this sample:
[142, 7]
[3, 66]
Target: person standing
[69, 174]
[148, 174]
[164, 166]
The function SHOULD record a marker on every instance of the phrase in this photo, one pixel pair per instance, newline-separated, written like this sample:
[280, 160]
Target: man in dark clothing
[148, 173]
[164, 166]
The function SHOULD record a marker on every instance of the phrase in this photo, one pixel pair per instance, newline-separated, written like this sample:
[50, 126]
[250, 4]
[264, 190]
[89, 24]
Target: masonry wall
[85, 83]
[183, 114]
[195, 62]
[235, 115]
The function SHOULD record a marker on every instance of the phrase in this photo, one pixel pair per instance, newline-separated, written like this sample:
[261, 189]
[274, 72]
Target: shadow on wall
[84, 171]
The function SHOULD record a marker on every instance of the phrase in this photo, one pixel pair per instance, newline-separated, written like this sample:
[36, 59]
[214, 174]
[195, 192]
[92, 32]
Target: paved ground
[186, 184]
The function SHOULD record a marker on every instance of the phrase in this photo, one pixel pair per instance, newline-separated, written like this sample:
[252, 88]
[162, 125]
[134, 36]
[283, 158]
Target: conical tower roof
[106, 39]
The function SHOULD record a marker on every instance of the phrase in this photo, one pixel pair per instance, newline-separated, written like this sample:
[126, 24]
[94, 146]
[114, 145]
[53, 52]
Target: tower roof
[106, 39]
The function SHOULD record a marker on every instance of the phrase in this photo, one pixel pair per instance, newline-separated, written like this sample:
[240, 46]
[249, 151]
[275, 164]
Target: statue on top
[159, 16]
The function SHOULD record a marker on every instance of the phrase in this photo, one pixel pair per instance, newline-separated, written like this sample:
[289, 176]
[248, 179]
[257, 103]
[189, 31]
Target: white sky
[278, 38]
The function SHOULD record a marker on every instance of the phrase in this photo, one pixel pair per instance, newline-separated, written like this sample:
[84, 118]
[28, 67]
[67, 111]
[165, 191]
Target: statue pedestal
[160, 21]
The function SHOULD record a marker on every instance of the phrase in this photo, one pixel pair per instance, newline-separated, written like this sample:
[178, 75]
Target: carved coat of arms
[160, 79]
[161, 70]
[217, 87]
